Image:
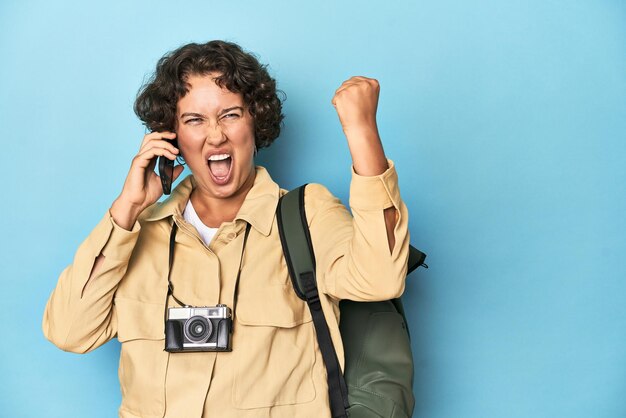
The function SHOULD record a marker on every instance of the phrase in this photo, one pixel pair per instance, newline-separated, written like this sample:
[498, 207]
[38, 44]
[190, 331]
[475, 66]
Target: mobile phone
[166, 171]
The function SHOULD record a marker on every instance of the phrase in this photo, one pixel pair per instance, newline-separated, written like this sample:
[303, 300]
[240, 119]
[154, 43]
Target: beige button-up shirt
[275, 368]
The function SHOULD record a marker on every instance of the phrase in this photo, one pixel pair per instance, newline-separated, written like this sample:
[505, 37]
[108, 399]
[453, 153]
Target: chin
[223, 192]
[227, 190]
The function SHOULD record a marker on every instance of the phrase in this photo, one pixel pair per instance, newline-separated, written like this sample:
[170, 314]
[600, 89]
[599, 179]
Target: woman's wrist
[366, 149]
[124, 214]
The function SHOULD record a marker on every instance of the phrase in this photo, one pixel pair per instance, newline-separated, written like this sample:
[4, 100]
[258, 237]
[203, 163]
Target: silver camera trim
[219, 311]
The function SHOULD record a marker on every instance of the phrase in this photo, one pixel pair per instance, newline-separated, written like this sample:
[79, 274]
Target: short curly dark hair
[238, 71]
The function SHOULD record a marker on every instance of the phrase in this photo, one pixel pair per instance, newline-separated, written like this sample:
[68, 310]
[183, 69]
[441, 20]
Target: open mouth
[220, 167]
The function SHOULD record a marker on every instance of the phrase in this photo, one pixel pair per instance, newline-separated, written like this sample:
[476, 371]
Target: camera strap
[170, 286]
[245, 239]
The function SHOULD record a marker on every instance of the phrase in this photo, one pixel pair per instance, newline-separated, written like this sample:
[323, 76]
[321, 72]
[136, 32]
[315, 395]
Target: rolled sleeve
[120, 242]
[375, 192]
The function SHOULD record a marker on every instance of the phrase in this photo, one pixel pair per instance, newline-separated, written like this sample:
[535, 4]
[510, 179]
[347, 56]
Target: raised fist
[356, 101]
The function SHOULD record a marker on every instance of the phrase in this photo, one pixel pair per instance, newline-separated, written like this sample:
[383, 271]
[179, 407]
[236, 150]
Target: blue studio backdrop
[506, 121]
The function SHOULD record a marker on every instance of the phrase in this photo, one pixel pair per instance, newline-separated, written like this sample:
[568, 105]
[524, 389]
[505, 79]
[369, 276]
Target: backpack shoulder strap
[295, 238]
[300, 258]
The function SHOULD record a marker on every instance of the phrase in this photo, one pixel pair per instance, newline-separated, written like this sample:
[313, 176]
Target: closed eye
[195, 121]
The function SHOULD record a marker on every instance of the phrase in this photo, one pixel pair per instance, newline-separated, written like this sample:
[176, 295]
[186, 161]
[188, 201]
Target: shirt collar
[258, 208]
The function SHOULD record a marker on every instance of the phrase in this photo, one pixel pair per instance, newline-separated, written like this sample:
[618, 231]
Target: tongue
[220, 168]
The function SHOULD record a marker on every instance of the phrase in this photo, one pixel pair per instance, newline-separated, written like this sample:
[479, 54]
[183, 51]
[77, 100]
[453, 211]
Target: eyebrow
[219, 114]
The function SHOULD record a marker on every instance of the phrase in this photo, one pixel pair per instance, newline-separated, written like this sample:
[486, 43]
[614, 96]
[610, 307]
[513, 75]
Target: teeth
[219, 157]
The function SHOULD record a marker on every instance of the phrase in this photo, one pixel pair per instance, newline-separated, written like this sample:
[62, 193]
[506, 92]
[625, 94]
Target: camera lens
[198, 329]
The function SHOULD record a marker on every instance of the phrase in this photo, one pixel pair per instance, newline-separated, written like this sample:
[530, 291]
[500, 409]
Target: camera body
[206, 328]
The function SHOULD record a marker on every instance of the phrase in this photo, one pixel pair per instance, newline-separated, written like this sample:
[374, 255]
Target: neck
[213, 211]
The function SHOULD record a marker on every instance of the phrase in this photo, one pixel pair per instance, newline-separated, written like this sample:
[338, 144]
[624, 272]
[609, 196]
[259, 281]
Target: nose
[214, 135]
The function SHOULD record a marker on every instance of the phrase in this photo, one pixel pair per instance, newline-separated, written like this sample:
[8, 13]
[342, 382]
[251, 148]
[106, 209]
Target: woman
[220, 105]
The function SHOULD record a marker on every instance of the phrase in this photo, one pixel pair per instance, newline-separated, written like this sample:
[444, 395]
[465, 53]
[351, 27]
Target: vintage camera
[198, 329]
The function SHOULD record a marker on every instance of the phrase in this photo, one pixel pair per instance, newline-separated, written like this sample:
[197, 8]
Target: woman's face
[215, 135]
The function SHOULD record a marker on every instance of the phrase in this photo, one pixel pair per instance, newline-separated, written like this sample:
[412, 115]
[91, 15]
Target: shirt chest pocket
[143, 362]
[273, 348]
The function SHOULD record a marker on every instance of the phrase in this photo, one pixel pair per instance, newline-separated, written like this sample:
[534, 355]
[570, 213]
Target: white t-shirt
[190, 215]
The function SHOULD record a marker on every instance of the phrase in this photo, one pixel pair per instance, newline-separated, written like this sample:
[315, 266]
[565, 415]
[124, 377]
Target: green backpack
[378, 377]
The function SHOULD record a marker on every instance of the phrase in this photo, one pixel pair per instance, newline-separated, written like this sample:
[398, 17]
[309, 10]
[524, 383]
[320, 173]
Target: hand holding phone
[143, 186]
